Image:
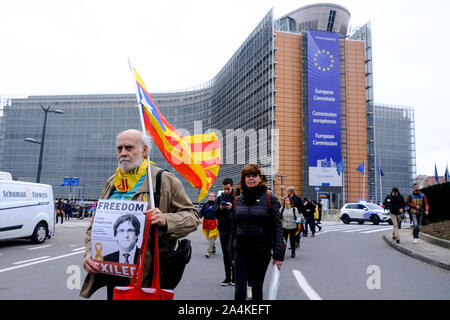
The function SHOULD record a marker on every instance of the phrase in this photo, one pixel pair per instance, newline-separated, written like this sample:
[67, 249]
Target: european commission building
[267, 106]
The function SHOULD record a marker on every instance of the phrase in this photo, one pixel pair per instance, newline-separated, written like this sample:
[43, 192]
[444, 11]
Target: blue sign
[316, 188]
[66, 182]
[324, 108]
[70, 182]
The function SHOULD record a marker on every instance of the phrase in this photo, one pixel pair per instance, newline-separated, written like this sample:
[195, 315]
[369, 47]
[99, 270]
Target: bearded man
[175, 217]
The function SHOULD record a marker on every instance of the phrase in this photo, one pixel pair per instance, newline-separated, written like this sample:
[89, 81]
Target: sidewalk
[428, 249]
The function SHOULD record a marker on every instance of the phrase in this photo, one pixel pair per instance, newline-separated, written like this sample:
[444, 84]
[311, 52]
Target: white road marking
[312, 295]
[40, 261]
[34, 248]
[82, 248]
[29, 260]
[356, 230]
[382, 229]
[335, 229]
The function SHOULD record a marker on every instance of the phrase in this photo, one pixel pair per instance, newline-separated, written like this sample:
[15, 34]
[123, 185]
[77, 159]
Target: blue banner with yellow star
[324, 108]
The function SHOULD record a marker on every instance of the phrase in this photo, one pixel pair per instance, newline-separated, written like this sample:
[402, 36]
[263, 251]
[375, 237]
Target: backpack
[295, 210]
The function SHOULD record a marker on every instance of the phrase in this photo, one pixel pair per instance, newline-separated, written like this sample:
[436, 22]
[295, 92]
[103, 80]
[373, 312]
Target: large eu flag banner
[324, 108]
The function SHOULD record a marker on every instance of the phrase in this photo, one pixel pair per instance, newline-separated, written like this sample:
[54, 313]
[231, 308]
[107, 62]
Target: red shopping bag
[135, 291]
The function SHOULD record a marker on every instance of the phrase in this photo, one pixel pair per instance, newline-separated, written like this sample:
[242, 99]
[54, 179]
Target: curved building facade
[323, 16]
[258, 104]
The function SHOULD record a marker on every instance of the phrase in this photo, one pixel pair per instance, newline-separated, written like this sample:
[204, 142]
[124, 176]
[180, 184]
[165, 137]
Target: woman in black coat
[257, 235]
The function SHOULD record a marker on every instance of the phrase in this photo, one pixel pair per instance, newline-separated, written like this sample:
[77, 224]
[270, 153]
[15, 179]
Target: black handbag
[171, 263]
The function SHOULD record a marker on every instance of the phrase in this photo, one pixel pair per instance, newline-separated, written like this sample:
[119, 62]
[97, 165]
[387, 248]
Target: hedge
[438, 197]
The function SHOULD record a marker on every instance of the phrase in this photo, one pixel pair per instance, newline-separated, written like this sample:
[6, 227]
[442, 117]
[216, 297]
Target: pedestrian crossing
[349, 228]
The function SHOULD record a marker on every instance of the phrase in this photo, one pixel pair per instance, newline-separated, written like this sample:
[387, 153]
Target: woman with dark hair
[257, 233]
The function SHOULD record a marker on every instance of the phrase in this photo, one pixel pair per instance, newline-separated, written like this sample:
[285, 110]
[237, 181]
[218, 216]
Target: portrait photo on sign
[117, 235]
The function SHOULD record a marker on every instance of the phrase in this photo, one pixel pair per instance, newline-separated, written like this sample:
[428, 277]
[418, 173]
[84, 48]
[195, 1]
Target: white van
[26, 210]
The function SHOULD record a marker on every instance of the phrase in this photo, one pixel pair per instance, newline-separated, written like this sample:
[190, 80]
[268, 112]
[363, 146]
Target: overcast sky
[75, 47]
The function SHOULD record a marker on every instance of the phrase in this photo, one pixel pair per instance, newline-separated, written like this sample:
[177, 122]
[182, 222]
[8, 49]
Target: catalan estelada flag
[196, 157]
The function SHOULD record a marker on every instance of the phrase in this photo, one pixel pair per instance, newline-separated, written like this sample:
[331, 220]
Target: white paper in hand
[274, 282]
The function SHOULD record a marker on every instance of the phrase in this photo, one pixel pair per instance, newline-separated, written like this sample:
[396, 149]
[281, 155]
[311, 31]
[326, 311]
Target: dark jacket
[310, 208]
[394, 203]
[114, 257]
[255, 227]
[225, 216]
[207, 211]
[298, 203]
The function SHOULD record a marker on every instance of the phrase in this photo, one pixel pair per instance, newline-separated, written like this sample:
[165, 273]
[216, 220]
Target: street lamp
[46, 111]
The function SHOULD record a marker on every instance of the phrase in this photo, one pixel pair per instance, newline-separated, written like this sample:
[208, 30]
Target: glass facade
[80, 143]
[396, 152]
[327, 17]
[238, 104]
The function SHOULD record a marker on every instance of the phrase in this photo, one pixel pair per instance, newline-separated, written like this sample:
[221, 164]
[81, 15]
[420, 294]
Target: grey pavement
[428, 249]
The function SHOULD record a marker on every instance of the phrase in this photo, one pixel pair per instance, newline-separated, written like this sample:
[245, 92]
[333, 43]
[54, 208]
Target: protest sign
[117, 233]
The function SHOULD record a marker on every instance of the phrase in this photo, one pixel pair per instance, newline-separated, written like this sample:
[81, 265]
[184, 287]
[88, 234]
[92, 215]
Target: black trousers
[57, 217]
[250, 263]
[309, 221]
[225, 244]
[292, 238]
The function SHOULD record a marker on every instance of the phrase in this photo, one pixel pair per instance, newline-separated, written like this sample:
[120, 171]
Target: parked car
[362, 212]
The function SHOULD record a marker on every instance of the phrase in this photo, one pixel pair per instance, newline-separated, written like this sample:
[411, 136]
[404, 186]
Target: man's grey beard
[127, 166]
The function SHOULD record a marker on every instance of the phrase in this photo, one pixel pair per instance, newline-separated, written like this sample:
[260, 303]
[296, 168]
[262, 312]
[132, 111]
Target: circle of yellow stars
[326, 53]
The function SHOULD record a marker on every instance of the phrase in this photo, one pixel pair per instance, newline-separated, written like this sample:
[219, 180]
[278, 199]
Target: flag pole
[343, 188]
[381, 187]
[141, 117]
[364, 180]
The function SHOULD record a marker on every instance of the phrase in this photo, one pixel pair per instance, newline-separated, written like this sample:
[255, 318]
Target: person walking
[175, 217]
[60, 207]
[224, 210]
[209, 224]
[396, 204]
[297, 202]
[67, 210]
[257, 234]
[316, 215]
[418, 203]
[309, 217]
[319, 205]
[289, 214]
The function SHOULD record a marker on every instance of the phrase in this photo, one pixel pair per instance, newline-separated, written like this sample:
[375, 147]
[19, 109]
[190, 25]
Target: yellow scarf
[126, 181]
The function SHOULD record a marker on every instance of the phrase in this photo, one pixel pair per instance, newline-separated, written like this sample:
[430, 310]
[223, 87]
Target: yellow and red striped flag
[196, 157]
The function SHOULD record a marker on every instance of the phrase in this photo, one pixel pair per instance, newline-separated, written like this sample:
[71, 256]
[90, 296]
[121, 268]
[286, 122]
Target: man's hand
[426, 213]
[158, 217]
[400, 210]
[89, 265]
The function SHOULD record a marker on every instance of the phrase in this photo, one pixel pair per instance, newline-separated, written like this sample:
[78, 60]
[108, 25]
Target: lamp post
[282, 185]
[41, 152]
